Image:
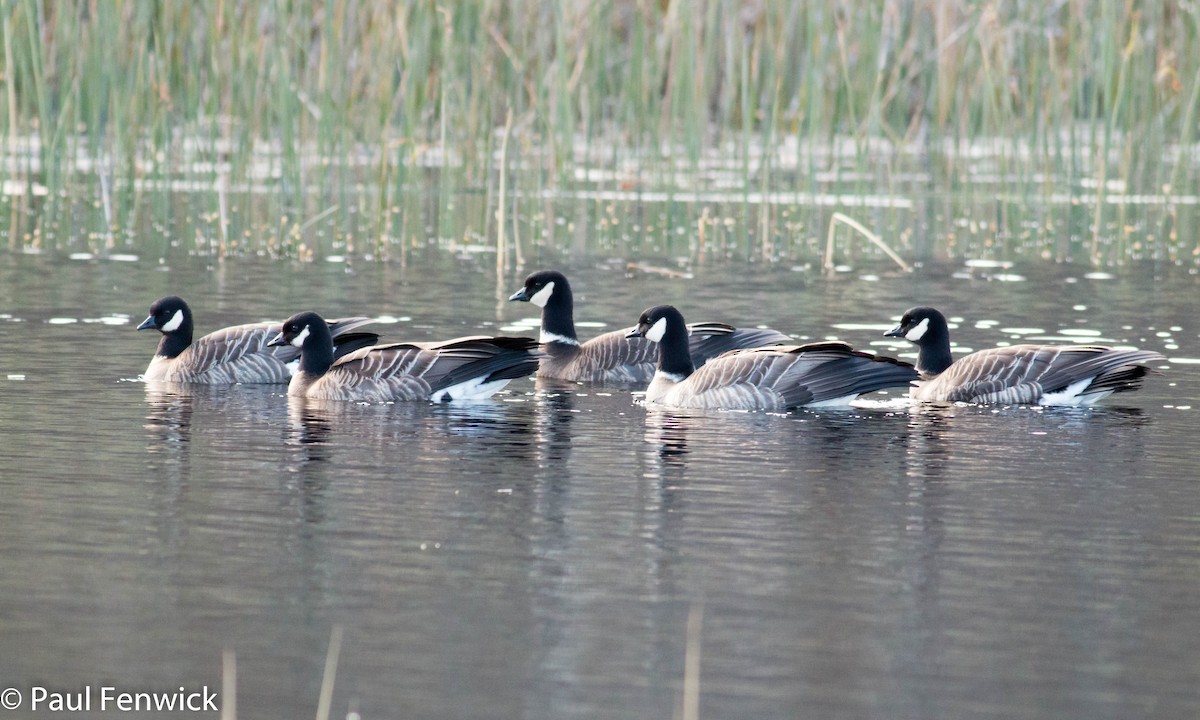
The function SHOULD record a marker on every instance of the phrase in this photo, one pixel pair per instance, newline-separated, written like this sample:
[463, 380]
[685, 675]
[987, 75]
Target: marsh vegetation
[684, 129]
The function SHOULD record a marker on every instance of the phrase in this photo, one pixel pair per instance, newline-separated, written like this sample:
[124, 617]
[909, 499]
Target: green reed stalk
[157, 85]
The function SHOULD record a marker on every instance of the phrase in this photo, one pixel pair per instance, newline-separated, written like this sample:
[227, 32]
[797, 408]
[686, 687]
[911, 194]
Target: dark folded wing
[428, 367]
[789, 376]
[708, 340]
[346, 340]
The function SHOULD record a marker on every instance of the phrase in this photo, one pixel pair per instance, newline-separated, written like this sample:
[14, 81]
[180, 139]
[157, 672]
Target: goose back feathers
[237, 354]
[765, 378]
[1018, 374]
[617, 357]
[464, 368]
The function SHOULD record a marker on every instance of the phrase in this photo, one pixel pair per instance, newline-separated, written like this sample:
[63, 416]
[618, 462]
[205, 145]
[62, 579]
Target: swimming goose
[765, 378]
[617, 357]
[237, 354]
[468, 368]
[1018, 374]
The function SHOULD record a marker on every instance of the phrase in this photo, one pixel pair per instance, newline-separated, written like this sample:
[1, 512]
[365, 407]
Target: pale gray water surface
[537, 556]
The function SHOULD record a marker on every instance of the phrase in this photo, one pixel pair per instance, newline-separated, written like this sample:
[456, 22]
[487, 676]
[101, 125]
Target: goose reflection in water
[553, 421]
[171, 408]
[947, 439]
[666, 436]
[169, 419]
[310, 427]
[429, 430]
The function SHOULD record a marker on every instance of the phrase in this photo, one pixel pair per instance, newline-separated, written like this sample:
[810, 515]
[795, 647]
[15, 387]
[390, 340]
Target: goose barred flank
[237, 354]
[616, 357]
[767, 378]
[467, 368]
[1018, 374]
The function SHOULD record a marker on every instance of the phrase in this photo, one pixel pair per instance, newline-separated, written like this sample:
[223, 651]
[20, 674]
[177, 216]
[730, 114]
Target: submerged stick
[331, 661]
[228, 685]
[840, 218]
[691, 665]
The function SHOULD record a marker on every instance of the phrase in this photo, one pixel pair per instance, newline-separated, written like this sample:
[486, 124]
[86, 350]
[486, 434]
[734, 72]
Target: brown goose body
[1038, 375]
[236, 354]
[1018, 374]
[468, 368]
[616, 357]
[769, 378]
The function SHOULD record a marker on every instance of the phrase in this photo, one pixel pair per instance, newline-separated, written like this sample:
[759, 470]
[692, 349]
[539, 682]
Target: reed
[1016, 113]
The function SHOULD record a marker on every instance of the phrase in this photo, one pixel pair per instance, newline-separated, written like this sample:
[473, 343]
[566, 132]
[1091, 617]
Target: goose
[237, 354]
[1018, 374]
[468, 368]
[617, 357]
[765, 378]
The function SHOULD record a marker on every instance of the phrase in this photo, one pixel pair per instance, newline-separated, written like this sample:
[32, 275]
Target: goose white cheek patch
[298, 341]
[174, 323]
[541, 297]
[918, 331]
[657, 330]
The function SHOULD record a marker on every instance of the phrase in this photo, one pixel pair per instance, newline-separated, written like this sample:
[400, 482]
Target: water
[538, 555]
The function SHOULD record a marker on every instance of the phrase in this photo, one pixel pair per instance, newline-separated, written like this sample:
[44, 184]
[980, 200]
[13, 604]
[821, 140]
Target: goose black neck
[674, 357]
[934, 356]
[316, 355]
[173, 343]
[558, 316]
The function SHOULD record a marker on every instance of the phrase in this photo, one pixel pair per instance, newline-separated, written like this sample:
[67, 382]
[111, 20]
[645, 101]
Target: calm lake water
[538, 556]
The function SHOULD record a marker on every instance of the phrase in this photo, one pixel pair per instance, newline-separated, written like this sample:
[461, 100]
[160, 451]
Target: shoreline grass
[392, 112]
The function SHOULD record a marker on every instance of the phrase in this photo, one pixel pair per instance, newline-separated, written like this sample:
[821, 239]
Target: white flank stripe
[1071, 396]
[834, 402]
[473, 389]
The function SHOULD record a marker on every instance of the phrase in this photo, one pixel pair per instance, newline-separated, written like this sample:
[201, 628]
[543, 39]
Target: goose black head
[542, 286]
[664, 325]
[300, 329]
[659, 322]
[549, 290]
[168, 315]
[172, 317]
[309, 332]
[920, 325]
[927, 329]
